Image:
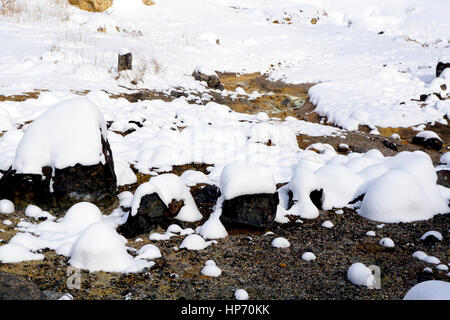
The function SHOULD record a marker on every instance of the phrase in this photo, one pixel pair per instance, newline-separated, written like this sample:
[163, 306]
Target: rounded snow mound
[101, 248]
[429, 290]
[396, 196]
[67, 134]
[360, 275]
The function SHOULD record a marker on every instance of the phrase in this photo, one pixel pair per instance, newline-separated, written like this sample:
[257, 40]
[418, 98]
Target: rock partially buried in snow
[428, 139]
[430, 238]
[250, 197]
[149, 251]
[308, 256]
[211, 78]
[429, 290]
[162, 200]
[14, 252]
[64, 157]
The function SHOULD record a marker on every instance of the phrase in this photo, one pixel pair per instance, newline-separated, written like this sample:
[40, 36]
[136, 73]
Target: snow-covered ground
[370, 63]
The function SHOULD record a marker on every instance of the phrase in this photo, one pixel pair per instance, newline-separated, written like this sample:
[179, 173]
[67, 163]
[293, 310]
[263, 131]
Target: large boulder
[63, 158]
[255, 210]
[14, 287]
[428, 139]
[92, 5]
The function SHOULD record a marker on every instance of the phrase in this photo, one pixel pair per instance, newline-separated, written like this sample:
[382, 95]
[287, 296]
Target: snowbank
[429, 290]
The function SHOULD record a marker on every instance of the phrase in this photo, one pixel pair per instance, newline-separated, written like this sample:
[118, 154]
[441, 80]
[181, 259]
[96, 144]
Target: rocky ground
[246, 257]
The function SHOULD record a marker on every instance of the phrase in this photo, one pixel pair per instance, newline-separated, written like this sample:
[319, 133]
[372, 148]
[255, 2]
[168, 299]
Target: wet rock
[432, 143]
[440, 67]
[14, 287]
[152, 212]
[212, 80]
[95, 183]
[256, 210]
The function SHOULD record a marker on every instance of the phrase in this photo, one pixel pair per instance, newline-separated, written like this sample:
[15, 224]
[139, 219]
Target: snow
[67, 134]
[426, 134]
[149, 252]
[360, 275]
[210, 269]
[35, 212]
[432, 233]
[6, 206]
[327, 224]
[371, 233]
[442, 267]
[168, 187]
[308, 256]
[280, 242]
[241, 294]
[243, 179]
[387, 242]
[101, 248]
[14, 252]
[195, 242]
[429, 290]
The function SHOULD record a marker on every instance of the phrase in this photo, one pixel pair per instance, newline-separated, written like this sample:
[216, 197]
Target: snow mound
[14, 252]
[308, 256]
[396, 197]
[429, 290]
[243, 179]
[168, 187]
[101, 248]
[387, 242]
[241, 294]
[280, 242]
[210, 269]
[67, 134]
[360, 275]
[6, 206]
[149, 251]
[195, 242]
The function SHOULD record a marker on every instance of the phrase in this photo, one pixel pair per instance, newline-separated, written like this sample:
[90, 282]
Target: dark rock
[208, 194]
[95, 183]
[14, 287]
[391, 145]
[315, 196]
[152, 212]
[441, 67]
[432, 143]
[256, 210]
[212, 80]
[423, 97]
[430, 241]
[443, 178]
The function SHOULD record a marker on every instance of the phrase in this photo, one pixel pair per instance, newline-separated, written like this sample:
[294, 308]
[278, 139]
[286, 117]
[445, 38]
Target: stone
[389, 144]
[255, 210]
[208, 194]
[152, 212]
[95, 183]
[14, 287]
[432, 143]
[443, 178]
[125, 62]
[440, 67]
[92, 5]
[212, 81]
